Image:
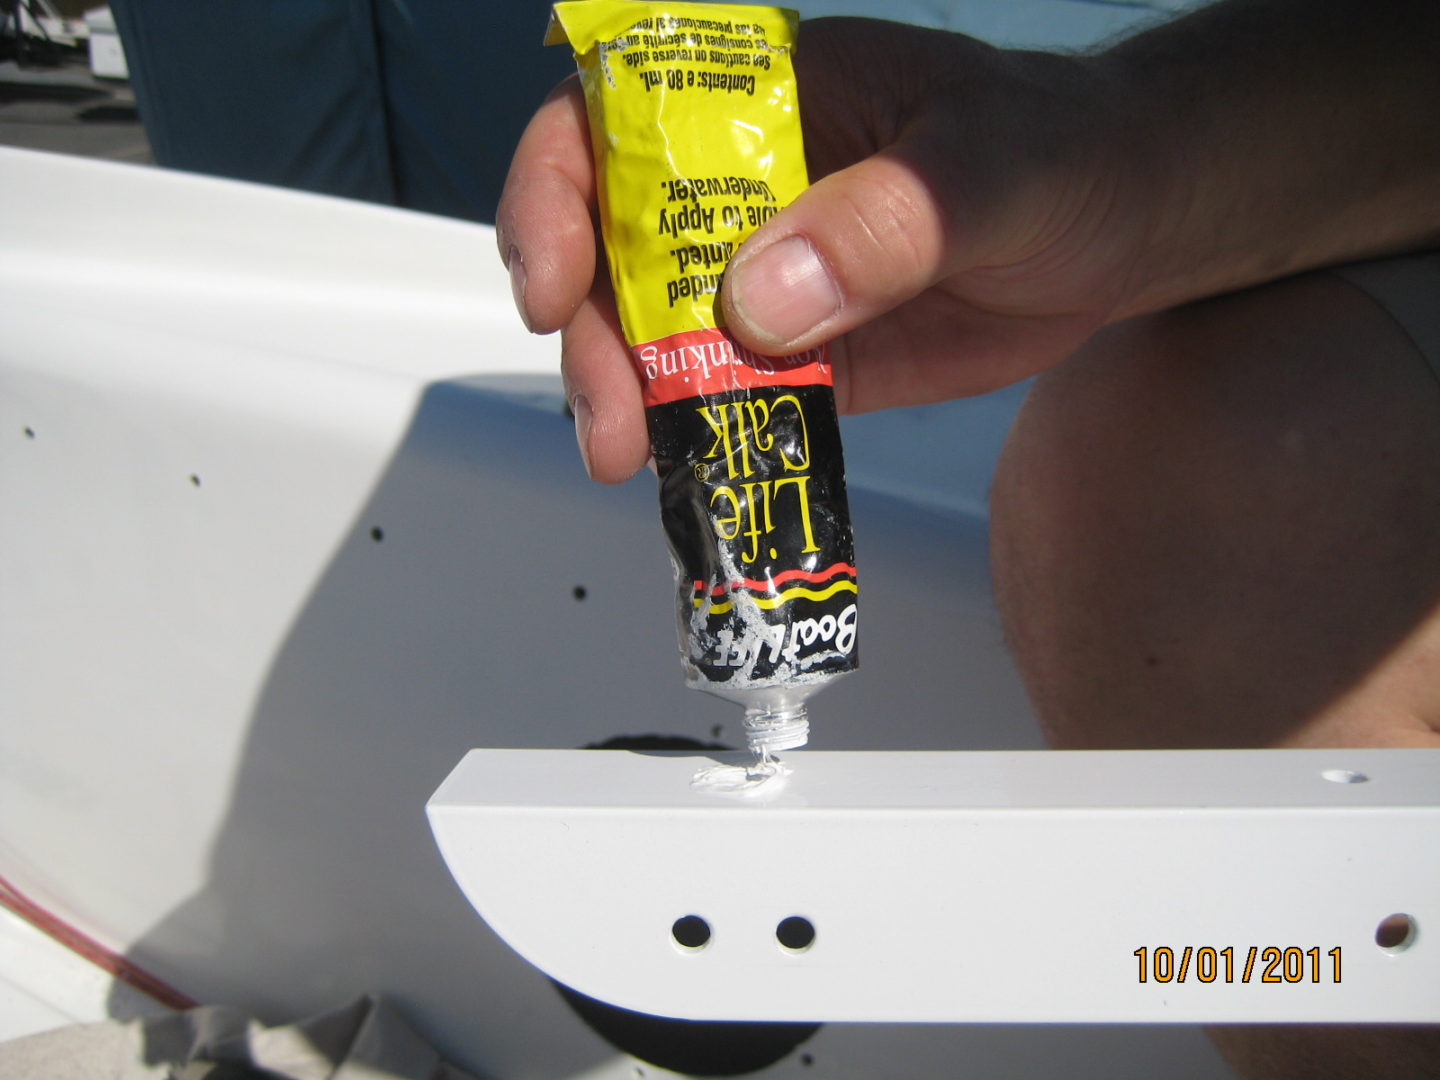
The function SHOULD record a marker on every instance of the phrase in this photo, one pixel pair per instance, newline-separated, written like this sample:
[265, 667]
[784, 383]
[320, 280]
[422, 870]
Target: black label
[752, 497]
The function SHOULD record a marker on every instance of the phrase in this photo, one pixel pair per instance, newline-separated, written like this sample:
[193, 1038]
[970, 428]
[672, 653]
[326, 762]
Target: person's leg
[1220, 527]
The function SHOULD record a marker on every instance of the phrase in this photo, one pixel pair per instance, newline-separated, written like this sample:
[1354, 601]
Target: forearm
[1287, 135]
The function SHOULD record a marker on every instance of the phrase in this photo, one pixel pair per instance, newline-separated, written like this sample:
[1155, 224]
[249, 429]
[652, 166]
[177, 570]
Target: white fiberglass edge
[1172, 886]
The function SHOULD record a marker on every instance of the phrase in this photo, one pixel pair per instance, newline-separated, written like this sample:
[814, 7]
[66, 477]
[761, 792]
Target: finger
[603, 390]
[852, 247]
[544, 224]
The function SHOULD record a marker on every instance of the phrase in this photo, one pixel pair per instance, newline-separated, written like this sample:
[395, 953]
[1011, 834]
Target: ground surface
[56, 104]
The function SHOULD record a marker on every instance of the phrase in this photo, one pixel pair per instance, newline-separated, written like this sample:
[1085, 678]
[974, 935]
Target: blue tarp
[418, 103]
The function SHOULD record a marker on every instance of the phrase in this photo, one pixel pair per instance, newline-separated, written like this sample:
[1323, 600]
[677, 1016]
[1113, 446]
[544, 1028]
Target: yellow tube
[695, 126]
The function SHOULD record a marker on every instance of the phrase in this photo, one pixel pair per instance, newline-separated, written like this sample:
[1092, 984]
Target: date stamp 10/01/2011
[1258, 964]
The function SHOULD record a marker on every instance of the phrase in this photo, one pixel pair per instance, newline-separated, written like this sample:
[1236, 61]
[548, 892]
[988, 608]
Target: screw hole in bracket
[1396, 932]
[691, 932]
[1345, 776]
[377, 534]
[795, 934]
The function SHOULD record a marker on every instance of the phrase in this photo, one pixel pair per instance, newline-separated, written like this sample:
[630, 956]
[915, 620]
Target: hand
[977, 215]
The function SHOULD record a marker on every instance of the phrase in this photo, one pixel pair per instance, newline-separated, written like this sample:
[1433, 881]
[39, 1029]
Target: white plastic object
[991, 886]
[107, 54]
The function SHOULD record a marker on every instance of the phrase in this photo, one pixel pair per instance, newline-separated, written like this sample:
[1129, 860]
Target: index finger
[545, 221]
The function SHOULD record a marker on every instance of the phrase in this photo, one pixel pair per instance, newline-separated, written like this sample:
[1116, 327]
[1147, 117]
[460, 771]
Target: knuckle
[888, 233]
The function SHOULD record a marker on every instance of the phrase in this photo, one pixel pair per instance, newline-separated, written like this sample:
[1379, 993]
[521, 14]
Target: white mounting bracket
[1166, 886]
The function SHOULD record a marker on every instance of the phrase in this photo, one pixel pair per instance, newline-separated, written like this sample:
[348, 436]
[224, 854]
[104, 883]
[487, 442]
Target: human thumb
[853, 246]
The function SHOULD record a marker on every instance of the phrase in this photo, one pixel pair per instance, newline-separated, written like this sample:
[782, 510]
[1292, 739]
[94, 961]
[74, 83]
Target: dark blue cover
[418, 103]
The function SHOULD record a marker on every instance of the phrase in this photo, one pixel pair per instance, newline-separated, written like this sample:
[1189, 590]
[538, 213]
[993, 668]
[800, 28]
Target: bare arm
[1298, 133]
[978, 213]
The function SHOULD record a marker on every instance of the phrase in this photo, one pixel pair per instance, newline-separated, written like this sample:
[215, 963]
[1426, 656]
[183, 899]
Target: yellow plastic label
[696, 132]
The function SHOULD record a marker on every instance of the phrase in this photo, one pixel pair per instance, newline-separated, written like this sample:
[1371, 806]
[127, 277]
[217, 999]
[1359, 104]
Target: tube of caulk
[696, 134]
